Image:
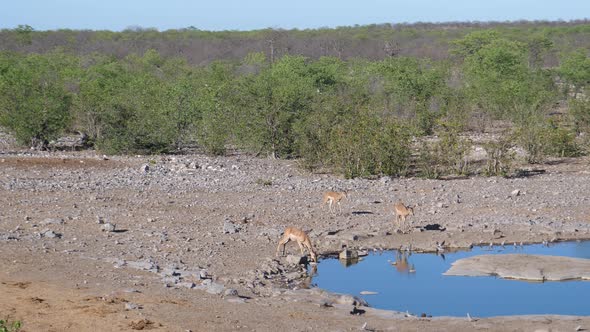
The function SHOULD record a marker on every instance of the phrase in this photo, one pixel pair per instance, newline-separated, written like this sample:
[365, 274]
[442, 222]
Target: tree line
[375, 41]
[357, 117]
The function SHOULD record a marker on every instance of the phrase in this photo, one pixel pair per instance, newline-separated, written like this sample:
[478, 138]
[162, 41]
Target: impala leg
[301, 247]
[404, 228]
[282, 242]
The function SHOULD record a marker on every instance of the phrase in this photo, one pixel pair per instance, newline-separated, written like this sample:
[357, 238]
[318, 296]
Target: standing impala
[401, 212]
[332, 197]
[295, 234]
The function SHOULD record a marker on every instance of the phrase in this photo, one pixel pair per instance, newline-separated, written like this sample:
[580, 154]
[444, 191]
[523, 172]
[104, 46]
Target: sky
[215, 15]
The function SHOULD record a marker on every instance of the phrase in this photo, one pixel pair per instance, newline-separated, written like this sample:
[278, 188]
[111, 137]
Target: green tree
[273, 100]
[24, 34]
[34, 101]
[575, 70]
[471, 44]
[538, 46]
[500, 82]
[410, 85]
[97, 101]
[341, 89]
[364, 144]
[138, 104]
[220, 122]
[579, 109]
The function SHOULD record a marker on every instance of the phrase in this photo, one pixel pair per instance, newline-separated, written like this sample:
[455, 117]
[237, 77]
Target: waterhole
[414, 282]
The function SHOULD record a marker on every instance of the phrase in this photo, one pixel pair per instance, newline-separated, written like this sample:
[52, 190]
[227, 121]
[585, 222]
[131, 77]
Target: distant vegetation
[355, 100]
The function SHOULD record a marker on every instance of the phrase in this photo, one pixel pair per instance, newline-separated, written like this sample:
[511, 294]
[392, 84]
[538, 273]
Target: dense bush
[364, 144]
[543, 138]
[446, 155]
[500, 156]
[34, 100]
[580, 113]
[358, 117]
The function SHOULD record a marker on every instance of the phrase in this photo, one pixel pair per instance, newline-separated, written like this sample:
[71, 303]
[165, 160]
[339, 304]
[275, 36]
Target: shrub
[5, 326]
[530, 139]
[580, 113]
[543, 138]
[447, 155]
[34, 102]
[366, 145]
[429, 164]
[559, 142]
[500, 157]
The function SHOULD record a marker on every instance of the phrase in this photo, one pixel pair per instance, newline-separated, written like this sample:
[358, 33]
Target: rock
[50, 234]
[52, 221]
[171, 280]
[108, 227]
[214, 288]
[498, 234]
[186, 284]
[294, 275]
[296, 259]
[523, 267]
[145, 168]
[174, 272]
[229, 227]
[515, 192]
[348, 254]
[143, 265]
[8, 237]
[350, 300]
[230, 292]
[70, 142]
[131, 306]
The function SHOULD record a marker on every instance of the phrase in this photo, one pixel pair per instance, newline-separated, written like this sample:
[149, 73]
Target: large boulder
[524, 267]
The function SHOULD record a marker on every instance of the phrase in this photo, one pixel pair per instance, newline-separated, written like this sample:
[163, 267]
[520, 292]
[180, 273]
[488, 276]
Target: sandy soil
[194, 240]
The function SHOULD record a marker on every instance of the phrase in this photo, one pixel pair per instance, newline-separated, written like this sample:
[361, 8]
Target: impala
[401, 212]
[295, 234]
[332, 197]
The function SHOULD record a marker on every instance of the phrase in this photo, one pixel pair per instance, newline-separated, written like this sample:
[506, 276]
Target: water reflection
[348, 257]
[394, 276]
[402, 265]
[346, 262]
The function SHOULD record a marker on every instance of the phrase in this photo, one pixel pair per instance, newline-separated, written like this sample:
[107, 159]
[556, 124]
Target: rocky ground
[187, 242]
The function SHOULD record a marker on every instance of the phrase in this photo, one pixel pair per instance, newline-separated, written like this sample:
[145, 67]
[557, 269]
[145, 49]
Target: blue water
[422, 287]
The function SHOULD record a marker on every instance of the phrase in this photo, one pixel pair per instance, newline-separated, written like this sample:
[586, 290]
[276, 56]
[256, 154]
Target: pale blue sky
[257, 14]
